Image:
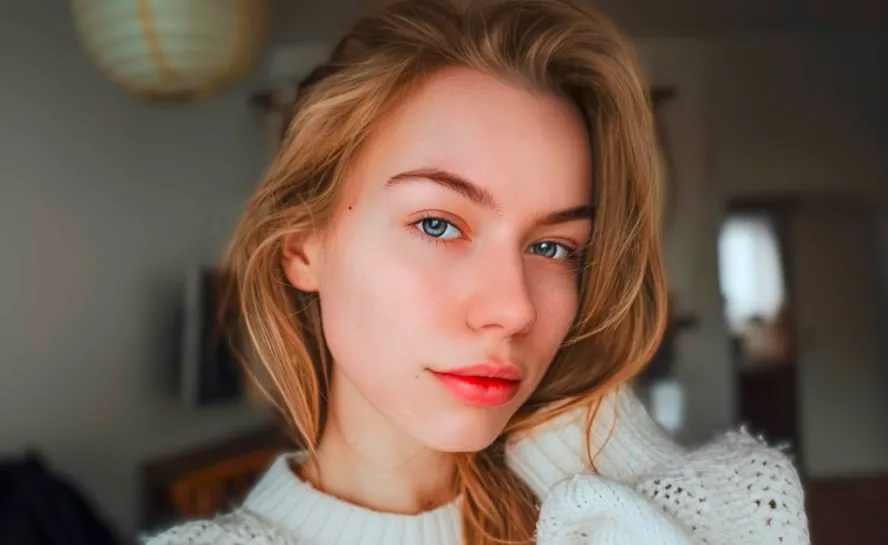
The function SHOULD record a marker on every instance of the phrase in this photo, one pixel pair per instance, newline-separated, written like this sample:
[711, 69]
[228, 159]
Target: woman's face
[448, 280]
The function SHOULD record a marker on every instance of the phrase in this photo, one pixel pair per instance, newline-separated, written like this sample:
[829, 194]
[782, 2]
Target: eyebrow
[481, 196]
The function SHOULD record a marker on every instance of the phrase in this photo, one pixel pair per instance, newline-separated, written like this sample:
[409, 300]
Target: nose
[501, 300]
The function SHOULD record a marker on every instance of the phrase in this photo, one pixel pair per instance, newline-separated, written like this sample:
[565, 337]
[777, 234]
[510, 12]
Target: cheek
[556, 298]
[379, 302]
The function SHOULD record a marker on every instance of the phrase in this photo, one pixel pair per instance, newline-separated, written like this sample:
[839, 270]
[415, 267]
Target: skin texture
[497, 284]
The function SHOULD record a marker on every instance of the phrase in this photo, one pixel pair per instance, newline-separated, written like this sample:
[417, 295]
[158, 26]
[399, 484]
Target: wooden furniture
[209, 479]
[848, 510]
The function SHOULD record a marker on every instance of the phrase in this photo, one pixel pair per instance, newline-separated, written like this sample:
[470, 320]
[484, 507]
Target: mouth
[485, 384]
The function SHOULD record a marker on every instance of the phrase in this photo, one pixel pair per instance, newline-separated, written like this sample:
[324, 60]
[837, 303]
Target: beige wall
[690, 243]
[791, 114]
[104, 200]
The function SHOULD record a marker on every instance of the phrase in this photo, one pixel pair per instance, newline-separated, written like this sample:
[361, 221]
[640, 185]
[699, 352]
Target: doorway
[756, 286]
[800, 278]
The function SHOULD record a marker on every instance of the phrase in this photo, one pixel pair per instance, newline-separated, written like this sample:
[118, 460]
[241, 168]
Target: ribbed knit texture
[299, 509]
[647, 491]
[621, 452]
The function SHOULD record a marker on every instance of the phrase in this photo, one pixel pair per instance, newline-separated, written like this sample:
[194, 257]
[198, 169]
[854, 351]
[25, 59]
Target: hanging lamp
[173, 50]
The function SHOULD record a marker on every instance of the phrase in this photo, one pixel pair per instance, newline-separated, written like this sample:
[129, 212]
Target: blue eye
[551, 250]
[438, 228]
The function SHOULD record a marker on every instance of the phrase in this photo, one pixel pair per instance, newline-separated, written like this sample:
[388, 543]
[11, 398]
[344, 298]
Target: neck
[366, 460]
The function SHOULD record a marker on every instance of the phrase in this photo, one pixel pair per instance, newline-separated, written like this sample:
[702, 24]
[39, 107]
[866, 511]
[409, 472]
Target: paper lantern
[173, 50]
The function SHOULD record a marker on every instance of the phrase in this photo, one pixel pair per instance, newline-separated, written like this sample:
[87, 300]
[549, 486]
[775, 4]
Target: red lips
[486, 383]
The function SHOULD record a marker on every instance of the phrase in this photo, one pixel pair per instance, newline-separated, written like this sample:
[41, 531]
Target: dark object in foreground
[40, 507]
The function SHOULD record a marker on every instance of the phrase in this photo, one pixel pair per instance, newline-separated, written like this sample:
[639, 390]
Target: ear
[301, 260]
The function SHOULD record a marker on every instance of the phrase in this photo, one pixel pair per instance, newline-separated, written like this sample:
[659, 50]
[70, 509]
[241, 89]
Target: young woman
[446, 276]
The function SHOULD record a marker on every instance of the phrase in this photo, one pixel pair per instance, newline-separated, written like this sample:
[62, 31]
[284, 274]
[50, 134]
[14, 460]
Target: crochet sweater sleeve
[734, 491]
[588, 510]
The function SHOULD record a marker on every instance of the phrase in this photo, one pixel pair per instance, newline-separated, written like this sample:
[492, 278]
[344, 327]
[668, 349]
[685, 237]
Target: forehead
[513, 141]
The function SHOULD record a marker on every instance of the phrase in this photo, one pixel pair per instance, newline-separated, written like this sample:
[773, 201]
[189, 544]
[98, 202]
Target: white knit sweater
[645, 490]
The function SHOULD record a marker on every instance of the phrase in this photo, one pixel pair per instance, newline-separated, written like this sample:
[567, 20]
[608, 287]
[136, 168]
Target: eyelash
[572, 257]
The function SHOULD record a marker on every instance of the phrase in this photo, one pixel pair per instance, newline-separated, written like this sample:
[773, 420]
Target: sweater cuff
[593, 511]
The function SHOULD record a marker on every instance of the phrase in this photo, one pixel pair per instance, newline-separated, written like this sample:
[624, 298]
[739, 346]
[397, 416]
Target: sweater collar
[308, 515]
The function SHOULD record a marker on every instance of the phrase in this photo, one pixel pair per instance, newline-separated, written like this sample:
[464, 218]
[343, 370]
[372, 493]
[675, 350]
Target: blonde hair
[562, 47]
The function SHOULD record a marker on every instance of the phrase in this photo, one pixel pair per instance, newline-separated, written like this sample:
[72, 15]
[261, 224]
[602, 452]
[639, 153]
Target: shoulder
[734, 486]
[233, 528]
[735, 489]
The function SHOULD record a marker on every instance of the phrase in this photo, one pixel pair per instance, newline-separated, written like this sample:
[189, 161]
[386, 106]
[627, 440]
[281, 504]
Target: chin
[469, 433]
